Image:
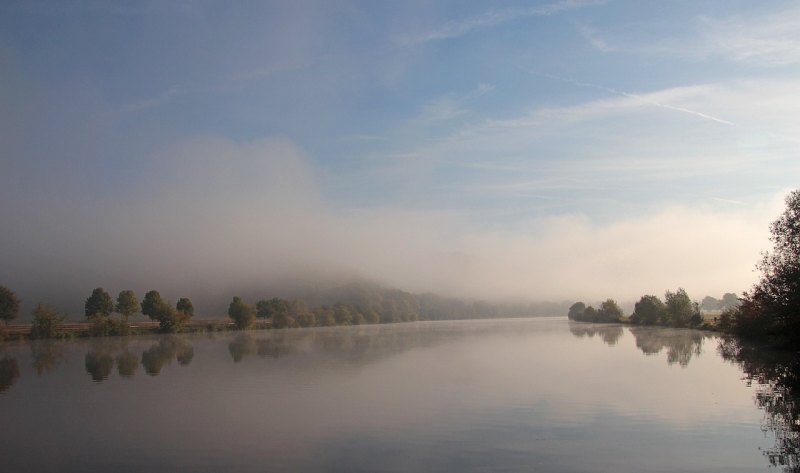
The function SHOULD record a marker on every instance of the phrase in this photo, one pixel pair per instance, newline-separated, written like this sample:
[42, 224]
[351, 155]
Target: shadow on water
[777, 378]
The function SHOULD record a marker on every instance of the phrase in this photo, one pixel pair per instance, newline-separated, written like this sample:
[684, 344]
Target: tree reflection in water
[47, 355]
[102, 355]
[777, 375]
[681, 344]
[9, 372]
[162, 353]
[610, 333]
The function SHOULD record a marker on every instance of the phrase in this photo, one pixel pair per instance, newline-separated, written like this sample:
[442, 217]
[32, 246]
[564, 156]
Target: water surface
[495, 395]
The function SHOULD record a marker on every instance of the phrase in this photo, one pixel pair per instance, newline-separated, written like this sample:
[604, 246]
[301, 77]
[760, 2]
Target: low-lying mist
[211, 218]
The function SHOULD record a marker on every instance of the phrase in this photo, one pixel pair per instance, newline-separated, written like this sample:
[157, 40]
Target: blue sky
[465, 147]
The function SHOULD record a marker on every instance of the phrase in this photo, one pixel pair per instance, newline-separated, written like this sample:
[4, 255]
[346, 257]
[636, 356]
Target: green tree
[269, 308]
[679, 308]
[169, 319]
[576, 311]
[46, 323]
[242, 314]
[729, 301]
[152, 304]
[771, 307]
[127, 303]
[302, 314]
[590, 314]
[9, 304]
[185, 305]
[343, 314]
[99, 302]
[648, 311]
[711, 303]
[609, 311]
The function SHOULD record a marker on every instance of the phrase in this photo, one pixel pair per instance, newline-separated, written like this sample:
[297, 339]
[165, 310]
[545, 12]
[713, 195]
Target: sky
[540, 150]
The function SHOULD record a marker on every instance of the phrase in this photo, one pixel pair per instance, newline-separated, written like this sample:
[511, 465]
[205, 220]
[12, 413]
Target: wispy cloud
[157, 101]
[770, 39]
[457, 28]
[646, 99]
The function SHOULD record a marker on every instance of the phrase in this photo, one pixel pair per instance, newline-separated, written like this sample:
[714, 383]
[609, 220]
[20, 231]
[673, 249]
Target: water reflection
[127, 364]
[777, 375]
[47, 355]
[9, 372]
[681, 344]
[164, 352]
[609, 333]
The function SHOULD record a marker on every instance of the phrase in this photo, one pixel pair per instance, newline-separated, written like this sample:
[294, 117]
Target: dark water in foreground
[499, 395]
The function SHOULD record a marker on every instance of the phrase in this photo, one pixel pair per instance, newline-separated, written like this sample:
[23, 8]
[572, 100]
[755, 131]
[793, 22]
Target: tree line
[676, 310]
[354, 304]
[769, 311]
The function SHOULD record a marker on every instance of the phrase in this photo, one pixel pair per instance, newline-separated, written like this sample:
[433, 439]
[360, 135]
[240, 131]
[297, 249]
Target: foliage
[152, 304]
[242, 314]
[679, 308]
[9, 304]
[46, 323]
[576, 311]
[169, 319]
[648, 311]
[102, 326]
[185, 305]
[609, 311]
[272, 307]
[99, 302]
[127, 303]
[729, 301]
[771, 307]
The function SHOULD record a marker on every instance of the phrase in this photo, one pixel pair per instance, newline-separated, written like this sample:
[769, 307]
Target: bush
[46, 323]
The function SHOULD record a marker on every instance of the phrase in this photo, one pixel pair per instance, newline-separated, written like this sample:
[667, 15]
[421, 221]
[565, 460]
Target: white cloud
[457, 28]
[757, 38]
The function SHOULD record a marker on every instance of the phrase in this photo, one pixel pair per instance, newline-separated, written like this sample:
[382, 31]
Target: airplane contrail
[637, 97]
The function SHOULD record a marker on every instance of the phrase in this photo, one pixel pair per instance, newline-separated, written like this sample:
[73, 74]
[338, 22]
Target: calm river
[469, 396]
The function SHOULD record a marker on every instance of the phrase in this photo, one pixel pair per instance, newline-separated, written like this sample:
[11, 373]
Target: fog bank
[211, 217]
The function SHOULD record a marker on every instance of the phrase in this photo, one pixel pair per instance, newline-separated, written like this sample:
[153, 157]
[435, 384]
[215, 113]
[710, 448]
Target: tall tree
[576, 311]
[9, 304]
[46, 322]
[771, 306]
[242, 314]
[679, 308]
[609, 311]
[152, 304]
[127, 303]
[648, 311]
[185, 305]
[99, 303]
